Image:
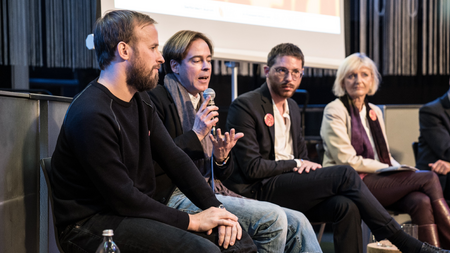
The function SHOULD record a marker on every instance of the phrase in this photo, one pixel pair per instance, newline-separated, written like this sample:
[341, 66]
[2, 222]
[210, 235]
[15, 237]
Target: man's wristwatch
[299, 162]
[221, 206]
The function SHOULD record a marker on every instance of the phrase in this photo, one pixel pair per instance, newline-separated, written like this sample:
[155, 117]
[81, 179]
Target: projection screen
[246, 30]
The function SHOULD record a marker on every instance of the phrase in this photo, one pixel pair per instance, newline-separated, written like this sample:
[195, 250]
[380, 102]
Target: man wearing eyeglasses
[272, 161]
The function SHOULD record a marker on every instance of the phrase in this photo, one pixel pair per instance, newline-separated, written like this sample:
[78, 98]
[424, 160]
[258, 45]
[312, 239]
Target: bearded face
[284, 77]
[140, 76]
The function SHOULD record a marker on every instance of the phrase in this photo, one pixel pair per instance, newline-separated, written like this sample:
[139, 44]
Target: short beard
[136, 75]
[136, 78]
[275, 87]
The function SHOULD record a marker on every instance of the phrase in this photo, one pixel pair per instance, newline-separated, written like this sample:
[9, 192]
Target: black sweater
[103, 161]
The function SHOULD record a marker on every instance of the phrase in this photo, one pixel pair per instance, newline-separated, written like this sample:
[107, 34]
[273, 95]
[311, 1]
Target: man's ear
[123, 50]
[266, 70]
[174, 65]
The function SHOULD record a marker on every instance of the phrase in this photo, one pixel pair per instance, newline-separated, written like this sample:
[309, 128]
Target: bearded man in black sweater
[102, 168]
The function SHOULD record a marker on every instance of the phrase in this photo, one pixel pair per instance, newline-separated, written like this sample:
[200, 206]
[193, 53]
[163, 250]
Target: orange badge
[372, 115]
[268, 119]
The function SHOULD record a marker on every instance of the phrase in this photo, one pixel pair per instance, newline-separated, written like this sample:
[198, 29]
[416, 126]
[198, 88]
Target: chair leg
[321, 230]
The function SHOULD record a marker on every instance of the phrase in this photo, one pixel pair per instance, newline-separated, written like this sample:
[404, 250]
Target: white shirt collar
[283, 137]
[195, 100]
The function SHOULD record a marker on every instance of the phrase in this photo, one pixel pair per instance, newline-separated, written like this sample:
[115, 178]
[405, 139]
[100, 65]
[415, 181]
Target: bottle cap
[108, 232]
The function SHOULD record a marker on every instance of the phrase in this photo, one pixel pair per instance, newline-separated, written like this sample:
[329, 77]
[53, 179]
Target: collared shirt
[283, 137]
[195, 100]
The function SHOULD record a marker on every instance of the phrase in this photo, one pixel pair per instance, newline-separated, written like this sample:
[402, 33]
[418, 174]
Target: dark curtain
[46, 33]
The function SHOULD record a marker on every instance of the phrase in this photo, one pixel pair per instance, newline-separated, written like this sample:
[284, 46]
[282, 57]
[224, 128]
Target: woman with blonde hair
[353, 134]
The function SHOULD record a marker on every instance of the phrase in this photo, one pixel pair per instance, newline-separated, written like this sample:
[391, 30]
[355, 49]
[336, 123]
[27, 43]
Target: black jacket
[434, 140]
[255, 153]
[188, 142]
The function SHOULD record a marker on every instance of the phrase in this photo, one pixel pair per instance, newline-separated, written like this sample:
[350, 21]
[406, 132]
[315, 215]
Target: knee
[266, 217]
[348, 171]
[433, 177]
[297, 219]
[428, 176]
[276, 216]
[344, 207]
[418, 200]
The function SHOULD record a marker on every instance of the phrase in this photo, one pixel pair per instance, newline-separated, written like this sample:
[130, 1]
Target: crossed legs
[334, 194]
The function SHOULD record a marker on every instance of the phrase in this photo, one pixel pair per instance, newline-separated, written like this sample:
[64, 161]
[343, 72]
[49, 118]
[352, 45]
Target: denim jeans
[272, 228]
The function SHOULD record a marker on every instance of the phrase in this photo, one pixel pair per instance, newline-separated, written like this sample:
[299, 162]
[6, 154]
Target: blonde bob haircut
[352, 63]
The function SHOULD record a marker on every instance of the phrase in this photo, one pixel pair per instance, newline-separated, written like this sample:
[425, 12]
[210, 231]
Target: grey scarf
[186, 112]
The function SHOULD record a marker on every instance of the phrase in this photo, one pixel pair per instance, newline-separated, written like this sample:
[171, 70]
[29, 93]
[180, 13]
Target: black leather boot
[427, 248]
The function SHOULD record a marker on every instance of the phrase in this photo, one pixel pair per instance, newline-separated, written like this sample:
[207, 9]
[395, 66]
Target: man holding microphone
[189, 120]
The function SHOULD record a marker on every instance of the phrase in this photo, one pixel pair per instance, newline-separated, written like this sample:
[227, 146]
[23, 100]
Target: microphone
[212, 93]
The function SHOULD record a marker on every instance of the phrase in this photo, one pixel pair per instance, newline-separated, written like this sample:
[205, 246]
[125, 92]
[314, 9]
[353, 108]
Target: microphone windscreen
[209, 92]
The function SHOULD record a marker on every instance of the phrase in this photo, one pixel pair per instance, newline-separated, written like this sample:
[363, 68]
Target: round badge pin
[268, 119]
[372, 115]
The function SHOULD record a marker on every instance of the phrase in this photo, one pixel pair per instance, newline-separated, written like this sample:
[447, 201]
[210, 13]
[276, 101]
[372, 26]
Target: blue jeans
[272, 228]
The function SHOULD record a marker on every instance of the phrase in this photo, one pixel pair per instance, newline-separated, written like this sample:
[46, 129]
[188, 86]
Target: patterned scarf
[360, 141]
[186, 112]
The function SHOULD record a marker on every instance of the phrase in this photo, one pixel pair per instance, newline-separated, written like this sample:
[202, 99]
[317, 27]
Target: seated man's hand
[210, 218]
[224, 143]
[205, 119]
[307, 166]
[229, 234]
[440, 167]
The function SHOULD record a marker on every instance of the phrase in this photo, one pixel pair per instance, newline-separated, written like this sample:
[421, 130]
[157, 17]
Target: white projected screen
[246, 30]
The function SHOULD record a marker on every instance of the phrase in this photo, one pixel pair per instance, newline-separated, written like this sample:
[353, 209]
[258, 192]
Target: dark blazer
[434, 140]
[255, 153]
[188, 142]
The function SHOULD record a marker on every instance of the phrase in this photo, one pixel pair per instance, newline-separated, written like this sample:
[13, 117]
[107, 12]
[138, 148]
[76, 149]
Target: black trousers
[333, 194]
[140, 235]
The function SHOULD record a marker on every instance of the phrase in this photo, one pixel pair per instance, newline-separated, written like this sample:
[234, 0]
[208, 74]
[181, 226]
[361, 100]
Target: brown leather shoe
[429, 233]
[442, 219]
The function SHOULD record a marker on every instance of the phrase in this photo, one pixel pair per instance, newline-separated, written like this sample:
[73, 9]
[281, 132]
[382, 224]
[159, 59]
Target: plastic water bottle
[108, 245]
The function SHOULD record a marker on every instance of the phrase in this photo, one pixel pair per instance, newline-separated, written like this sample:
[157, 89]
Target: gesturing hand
[205, 119]
[307, 166]
[222, 144]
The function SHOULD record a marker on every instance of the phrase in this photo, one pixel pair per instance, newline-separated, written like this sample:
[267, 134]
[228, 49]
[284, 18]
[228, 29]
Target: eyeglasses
[282, 72]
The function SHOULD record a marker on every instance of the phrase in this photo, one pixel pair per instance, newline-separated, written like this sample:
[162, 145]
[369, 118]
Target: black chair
[320, 152]
[46, 169]
[415, 147]
[305, 94]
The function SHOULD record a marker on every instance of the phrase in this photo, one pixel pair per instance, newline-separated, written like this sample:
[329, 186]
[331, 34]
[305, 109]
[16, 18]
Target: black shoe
[427, 248]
